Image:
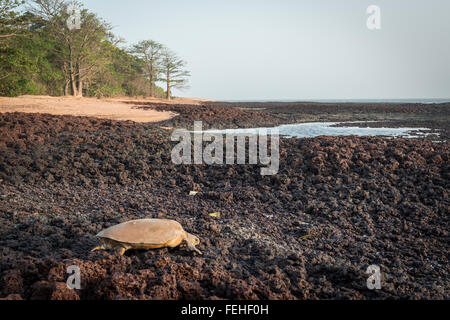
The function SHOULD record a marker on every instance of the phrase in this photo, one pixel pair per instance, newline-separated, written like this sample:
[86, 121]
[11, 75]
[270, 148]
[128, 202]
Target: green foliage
[25, 67]
[121, 75]
[104, 90]
[34, 55]
[10, 24]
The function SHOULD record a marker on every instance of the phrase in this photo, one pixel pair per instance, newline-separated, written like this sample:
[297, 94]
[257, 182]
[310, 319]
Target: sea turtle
[146, 234]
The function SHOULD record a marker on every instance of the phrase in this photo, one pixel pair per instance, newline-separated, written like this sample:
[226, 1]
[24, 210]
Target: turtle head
[191, 241]
[194, 240]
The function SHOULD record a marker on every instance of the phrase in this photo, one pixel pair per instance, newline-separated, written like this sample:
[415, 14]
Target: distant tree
[173, 72]
[49, 48]
[149, 52]
[79, 49]
[24, 54]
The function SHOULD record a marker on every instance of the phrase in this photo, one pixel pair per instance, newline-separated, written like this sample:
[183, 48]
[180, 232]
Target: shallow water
[316, 129]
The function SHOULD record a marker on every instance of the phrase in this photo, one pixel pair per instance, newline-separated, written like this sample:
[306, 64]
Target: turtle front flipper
[193, 248]
[98, 248]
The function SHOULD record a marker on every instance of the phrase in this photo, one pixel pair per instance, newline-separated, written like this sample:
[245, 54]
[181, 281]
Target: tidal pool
[316, 129]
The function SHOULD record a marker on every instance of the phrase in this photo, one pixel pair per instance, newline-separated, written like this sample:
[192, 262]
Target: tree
[46, 49]
[149, 52]
[27, 66]
[79, 49]
[174, 74]
[24, 54]
[9, 22]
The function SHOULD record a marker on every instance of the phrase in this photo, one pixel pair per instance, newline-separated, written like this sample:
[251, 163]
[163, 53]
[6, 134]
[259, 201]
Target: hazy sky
[296, 49]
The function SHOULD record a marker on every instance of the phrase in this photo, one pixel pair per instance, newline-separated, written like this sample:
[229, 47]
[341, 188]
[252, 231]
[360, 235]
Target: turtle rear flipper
[122, 250]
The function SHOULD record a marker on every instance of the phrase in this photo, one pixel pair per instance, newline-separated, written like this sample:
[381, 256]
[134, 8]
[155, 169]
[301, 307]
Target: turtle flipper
[122, 250]
[191, 247]
[98, 248]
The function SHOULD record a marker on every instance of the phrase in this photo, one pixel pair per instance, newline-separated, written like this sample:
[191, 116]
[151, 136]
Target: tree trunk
[80, 88]
[152, 91]
[73, 83]
[168, 87]
[66, 87]
[79, 80]
[72, 73]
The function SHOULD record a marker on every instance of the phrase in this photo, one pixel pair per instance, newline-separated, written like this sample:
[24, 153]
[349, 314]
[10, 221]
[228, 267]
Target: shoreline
[336, 206]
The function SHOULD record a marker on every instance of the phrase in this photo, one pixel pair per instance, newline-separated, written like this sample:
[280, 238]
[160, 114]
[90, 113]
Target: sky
[296, 49]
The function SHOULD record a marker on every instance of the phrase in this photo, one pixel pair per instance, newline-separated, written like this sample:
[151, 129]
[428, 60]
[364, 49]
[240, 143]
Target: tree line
[57, 47]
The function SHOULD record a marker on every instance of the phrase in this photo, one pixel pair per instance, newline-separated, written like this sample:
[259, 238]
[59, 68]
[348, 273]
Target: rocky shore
[337, 206]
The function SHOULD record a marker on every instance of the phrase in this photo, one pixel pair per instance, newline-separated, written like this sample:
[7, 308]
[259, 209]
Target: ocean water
[421, 101]
[316, 129]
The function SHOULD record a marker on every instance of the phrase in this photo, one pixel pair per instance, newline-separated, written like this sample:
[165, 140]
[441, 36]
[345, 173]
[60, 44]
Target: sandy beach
[113, 109]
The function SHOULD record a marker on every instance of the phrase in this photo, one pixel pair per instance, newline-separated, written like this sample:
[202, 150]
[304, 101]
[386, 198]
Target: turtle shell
[145, 231]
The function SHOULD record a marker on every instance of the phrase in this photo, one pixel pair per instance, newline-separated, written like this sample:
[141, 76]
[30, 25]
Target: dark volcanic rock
[337, 206]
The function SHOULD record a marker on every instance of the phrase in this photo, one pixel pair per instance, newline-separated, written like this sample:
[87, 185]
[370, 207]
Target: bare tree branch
[174, 74]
